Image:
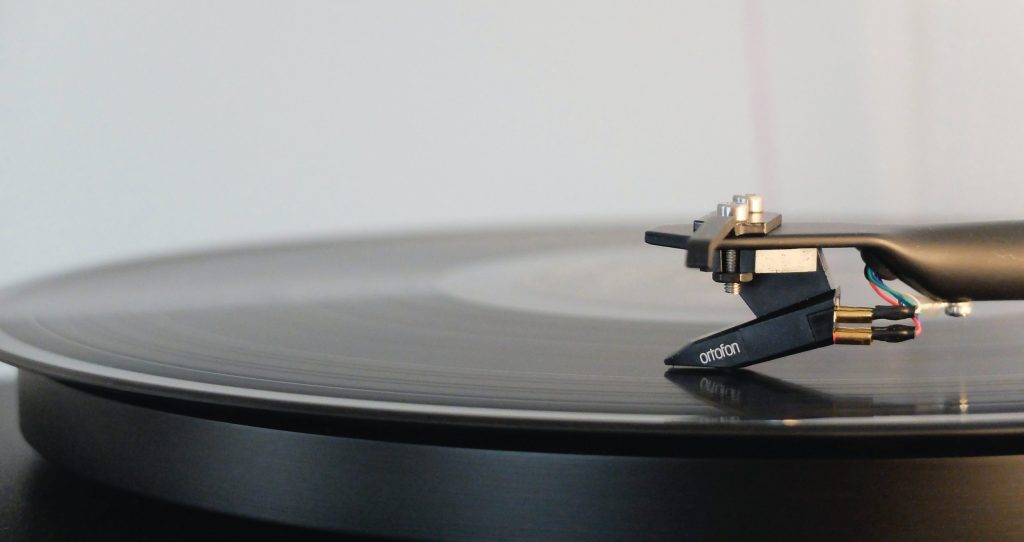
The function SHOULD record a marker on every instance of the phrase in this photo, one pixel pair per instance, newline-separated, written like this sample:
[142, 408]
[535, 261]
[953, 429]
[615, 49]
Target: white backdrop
[135, 127]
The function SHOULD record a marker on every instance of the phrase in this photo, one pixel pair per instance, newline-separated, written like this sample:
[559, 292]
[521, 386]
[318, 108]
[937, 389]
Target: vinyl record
[530, 329]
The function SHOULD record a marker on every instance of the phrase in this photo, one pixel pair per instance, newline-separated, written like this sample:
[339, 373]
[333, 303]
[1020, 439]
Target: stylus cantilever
[779, 271]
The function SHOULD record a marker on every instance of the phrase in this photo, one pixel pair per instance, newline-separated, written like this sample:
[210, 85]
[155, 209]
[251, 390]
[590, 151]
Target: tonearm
[779, 271]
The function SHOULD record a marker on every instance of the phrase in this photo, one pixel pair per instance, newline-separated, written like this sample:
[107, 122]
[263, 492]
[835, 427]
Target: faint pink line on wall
[760, 97]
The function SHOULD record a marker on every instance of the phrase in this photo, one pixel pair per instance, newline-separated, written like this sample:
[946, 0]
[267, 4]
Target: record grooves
[502, 386]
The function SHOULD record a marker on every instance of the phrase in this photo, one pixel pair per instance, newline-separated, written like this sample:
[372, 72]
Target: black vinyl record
[526, 329]
[221, 379]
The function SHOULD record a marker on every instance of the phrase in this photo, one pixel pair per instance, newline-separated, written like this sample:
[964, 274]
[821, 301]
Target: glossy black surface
[536, 329]
[500, 386]
[41, 501]
[416, 491]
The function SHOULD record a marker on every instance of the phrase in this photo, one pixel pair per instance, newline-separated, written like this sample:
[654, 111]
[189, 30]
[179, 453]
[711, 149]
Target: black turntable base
[507, 386]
